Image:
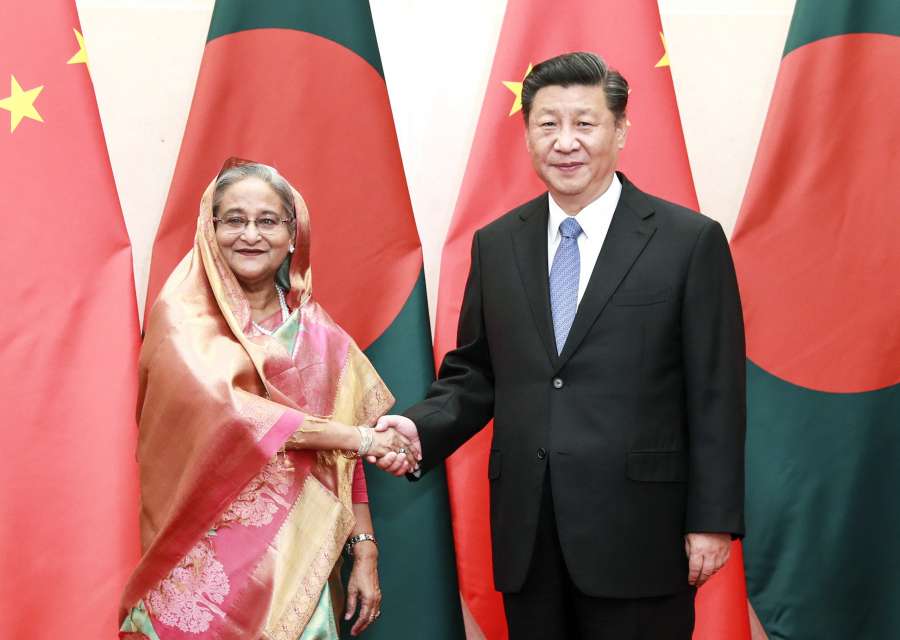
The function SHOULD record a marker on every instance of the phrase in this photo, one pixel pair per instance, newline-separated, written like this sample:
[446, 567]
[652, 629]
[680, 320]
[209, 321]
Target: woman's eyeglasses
[236, 225]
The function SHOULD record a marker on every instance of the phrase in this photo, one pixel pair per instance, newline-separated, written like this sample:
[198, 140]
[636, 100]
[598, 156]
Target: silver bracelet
[358, 538]
[366, 438]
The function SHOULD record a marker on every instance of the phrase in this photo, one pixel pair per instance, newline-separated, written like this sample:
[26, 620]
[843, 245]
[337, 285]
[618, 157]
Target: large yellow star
[664, 61]
[516, 88]
[80, 56]
[20, 104]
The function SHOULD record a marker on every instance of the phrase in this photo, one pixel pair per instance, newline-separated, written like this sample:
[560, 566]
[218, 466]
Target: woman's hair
[264, 172]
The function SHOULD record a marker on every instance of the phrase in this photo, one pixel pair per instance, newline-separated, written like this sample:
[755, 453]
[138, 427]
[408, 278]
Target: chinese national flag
[68, 342]
[499, 177]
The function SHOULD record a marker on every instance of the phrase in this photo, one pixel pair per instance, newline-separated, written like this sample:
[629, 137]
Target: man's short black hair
[578, 68]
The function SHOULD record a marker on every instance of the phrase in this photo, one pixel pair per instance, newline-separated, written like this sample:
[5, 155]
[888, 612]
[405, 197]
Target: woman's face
[255, 252]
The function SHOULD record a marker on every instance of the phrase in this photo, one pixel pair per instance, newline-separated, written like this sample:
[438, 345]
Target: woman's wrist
[350, 438]
[365, 542]
[366, 440]
[365, 551]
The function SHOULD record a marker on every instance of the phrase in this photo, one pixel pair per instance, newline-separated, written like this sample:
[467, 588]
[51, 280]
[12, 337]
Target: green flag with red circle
[300, 86]
[817, 249]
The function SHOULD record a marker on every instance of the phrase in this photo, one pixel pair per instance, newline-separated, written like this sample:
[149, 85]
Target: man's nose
[567, 140]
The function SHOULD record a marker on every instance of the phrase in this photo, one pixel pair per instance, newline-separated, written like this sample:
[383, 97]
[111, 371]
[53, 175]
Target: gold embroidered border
[308, 546]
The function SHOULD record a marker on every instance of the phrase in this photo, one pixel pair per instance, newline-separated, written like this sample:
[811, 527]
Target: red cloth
[69, 339]
[360, 493]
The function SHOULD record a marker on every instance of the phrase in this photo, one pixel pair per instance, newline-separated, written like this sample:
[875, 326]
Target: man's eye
[547, 124]
[585, 123]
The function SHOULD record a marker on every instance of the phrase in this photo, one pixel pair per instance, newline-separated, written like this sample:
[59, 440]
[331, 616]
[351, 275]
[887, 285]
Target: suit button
[541, 453]
[557, 383]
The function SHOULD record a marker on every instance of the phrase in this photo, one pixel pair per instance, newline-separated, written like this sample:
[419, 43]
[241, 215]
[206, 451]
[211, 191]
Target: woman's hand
[363, 589]
[388, 441]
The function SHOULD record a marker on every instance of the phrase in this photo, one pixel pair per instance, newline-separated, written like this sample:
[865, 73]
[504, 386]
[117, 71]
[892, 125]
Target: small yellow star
[20, 104]
[80, 56]
[516, 88]
[664, 61]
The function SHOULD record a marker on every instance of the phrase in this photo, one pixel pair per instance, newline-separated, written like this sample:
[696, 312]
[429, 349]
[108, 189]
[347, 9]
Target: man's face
[574, 142]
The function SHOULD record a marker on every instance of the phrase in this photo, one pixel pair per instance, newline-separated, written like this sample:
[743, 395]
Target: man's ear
[622, 132]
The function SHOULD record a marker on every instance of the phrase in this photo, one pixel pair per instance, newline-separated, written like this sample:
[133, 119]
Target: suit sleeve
[461, 401]
[715, 393]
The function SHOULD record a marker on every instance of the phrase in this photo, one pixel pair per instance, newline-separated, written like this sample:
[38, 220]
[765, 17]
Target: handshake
[393, 445]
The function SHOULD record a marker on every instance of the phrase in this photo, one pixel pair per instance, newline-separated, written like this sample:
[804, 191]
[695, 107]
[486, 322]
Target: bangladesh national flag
[299, 85]
[817, 249]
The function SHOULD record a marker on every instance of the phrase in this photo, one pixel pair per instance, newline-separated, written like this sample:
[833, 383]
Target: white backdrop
[144, 57]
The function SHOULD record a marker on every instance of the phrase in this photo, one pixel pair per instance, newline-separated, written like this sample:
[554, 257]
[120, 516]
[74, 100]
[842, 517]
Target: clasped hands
[395, 446]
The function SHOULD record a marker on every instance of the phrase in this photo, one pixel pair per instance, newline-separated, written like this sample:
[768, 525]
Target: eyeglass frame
[247, 221]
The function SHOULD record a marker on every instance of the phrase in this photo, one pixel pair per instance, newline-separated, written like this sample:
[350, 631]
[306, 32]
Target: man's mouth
[568, 167]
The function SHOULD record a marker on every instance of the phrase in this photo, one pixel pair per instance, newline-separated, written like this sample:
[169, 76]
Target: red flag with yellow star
[68, 341]
[499, 177]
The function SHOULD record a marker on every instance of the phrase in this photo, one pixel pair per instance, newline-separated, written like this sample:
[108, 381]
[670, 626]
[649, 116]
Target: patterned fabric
[241, 522]
[323, 623]
[564, 281]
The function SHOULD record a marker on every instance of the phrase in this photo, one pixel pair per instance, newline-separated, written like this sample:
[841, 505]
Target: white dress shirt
[594, 220]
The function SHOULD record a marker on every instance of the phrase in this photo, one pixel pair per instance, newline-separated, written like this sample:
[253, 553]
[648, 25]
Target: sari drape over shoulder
[241, 527]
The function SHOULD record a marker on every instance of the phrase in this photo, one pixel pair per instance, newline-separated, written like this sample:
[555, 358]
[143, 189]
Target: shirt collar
[594, 218]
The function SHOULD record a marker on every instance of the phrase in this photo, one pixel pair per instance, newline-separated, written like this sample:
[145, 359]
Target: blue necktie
[564, 281]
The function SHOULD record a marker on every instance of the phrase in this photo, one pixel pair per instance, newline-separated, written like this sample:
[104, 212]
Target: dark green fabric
[283, 275]
[817, 19]
[412, 520]
[822, 551]
[346, 22]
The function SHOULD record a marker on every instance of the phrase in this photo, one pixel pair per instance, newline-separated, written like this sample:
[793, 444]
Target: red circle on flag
[817, 245]
[319, 113]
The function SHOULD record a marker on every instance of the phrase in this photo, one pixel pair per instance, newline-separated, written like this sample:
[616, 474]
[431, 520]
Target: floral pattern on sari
[263, 496]
[188, 598]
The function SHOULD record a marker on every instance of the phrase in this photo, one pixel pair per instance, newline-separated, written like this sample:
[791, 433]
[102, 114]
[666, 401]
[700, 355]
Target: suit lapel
[530, 248]
[631, 228]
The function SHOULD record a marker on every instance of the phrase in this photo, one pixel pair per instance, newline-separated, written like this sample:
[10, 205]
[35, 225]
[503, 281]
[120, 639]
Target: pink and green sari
[241, 527]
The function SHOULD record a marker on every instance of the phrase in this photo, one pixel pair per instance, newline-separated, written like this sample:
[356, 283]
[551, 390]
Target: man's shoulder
[666, 213]
[513, 218]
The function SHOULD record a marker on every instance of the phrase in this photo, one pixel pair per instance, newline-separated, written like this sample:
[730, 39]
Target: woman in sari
[250, 474]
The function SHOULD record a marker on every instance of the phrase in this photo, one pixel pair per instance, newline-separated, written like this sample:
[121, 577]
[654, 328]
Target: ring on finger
[401, 450]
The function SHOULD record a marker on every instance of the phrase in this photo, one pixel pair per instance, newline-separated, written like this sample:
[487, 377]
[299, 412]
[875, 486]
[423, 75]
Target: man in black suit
[601, 329]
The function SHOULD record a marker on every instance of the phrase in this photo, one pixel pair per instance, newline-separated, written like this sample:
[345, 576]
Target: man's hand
[707, 553]
[390, 442]
[391, 462]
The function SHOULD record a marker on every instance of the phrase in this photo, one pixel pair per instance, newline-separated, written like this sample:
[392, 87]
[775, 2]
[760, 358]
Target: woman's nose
[250, 232]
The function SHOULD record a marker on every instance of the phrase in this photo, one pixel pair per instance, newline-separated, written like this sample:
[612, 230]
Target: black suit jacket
[641, 418]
